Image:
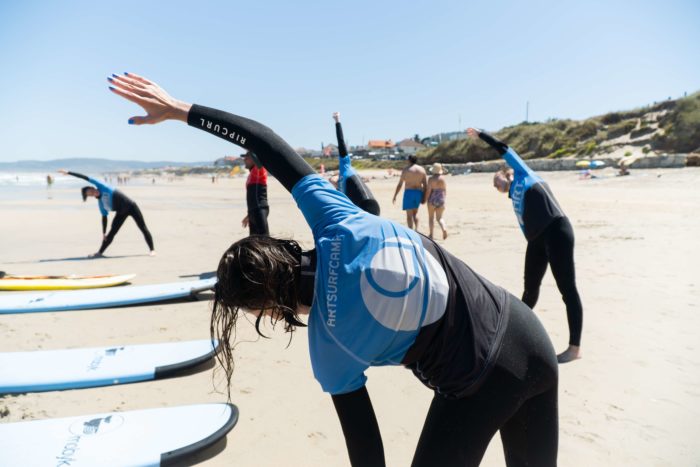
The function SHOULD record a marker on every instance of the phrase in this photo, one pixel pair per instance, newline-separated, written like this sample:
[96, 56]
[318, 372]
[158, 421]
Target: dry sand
[634, 399]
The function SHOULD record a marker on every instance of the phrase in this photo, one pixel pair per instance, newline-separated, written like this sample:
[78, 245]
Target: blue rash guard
[345, 171]
[533, 202]
[383, 294]
[110, 198]
[382, 297]
[106, 195]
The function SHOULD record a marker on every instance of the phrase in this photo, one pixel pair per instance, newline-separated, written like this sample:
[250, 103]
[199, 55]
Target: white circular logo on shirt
[399, 284]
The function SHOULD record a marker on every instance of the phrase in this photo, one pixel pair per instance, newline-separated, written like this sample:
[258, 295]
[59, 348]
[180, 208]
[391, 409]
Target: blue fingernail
[114, 75]
[126, 73]
[111, 88]
[110, 79]
[131, 121]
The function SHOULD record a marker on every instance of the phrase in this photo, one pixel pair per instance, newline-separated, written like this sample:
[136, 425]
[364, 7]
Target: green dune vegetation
[671, 126]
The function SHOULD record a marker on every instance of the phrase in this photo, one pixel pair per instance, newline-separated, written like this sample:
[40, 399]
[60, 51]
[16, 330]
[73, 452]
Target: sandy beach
[634, 399]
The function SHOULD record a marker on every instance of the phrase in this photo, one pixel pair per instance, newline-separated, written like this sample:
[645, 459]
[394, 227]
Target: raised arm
[499, 146]
[342, 149]
[74, 174]
[274, 153]
[505, 151]
[97, 183]
[360, 428]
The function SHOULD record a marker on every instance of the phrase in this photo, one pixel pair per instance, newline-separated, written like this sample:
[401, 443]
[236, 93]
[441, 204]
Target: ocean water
[33, 186]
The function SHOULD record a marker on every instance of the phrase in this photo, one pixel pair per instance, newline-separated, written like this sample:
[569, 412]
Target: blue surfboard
[51, 370]
[32, 302]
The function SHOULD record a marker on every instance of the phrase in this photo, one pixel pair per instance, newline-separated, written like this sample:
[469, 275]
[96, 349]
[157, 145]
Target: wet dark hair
[255, 273]
[412, 159]
[84, 191]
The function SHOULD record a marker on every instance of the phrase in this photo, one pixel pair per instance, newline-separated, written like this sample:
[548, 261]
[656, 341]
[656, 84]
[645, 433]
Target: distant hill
[90, 165]
[671, 126]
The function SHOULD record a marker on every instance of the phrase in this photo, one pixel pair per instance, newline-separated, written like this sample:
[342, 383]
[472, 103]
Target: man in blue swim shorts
[416, 181]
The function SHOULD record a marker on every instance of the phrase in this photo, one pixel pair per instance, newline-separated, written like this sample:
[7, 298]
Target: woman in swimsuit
[437, 192]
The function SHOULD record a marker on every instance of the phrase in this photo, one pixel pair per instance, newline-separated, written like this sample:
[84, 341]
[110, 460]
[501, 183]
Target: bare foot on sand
[444, 234]
[570, 354]
[152, 253]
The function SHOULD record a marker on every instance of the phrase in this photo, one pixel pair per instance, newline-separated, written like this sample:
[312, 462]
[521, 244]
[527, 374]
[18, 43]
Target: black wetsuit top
[118, 201]
[256, 189]
[349, 181]
[533, 201]
[453, 354]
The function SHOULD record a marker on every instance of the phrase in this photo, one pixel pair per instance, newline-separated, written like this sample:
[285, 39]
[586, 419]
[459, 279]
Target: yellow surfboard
[9, 282]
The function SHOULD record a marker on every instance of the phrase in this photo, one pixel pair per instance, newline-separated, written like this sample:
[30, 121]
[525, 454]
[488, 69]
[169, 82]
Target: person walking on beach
[111, 199]
[377, 293]
[416, 180]
[256, 197]
[349, 181]
[549, 234]
[437, 192]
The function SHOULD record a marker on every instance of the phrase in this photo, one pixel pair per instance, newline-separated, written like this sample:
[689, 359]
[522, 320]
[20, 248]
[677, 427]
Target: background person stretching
[377, 293]
[437, 192]
[349, 181]
[256, 197]
[111, 199]
[549, 234]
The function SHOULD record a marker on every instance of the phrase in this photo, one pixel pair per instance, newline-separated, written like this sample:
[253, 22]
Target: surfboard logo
[99, 357]
[86, 427]
[404, 287]
[97, 426]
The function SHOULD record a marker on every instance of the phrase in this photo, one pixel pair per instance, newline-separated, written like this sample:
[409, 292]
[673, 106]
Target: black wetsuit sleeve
[274, 153]
[104, 225]
[360, 195]
[499, 146]
[75, 174]
[360, 428]
[355, 188]
[342, 149]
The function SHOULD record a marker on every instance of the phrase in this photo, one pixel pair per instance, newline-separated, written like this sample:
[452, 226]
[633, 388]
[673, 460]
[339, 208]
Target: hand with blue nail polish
[157, 103]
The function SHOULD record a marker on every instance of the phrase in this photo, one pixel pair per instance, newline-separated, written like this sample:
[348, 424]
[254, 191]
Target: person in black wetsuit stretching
[111, 199]
[378, 293]
[549, 234]
[256, 196]
[349, 181]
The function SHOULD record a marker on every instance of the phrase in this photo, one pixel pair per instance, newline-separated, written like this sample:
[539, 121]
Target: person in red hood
[256, 197]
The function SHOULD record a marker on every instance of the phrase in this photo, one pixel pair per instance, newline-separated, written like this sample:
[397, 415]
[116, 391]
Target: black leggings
[257, 221]
[518, 398]
[556, 247]
[129, 210]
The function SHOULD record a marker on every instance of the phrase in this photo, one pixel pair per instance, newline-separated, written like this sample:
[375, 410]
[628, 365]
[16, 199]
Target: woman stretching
[377, 293]
[549, 234]
[110, 199]
[349, 181]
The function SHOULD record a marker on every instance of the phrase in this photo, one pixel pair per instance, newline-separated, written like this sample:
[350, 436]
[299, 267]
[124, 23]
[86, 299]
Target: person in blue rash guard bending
[377, 293]
[549, 234]
[111, 199]
[349, 181]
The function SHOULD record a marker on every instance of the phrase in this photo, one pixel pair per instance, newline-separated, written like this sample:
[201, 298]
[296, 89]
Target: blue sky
[392, 68]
